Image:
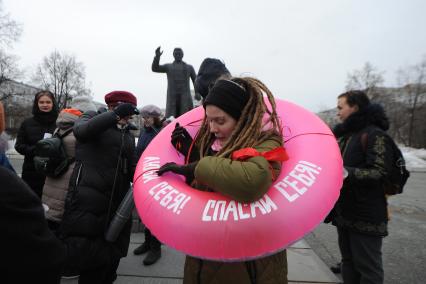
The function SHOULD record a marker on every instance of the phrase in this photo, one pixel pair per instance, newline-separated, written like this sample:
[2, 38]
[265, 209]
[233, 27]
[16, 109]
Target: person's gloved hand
[125, 109]
[186, 170]
[181, 139]
[102, 110]
[330, 217]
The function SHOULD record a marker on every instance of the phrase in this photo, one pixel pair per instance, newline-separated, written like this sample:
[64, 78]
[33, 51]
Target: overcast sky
[301, 49]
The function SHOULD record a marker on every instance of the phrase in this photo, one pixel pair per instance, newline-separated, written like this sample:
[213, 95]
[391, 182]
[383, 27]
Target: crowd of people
[62, 220]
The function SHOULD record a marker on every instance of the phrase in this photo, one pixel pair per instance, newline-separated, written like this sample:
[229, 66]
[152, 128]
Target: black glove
[102, 110]
[186, 170]
[125, 109]
[330, 217]
[181, 139]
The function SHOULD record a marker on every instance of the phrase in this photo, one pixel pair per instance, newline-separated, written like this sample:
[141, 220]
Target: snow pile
[414, 158]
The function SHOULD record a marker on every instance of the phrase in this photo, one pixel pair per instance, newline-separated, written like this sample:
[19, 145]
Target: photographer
[105, 162]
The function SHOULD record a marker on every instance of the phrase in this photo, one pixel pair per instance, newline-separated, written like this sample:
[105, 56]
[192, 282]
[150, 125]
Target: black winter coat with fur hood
[30, 132]
[362, 205]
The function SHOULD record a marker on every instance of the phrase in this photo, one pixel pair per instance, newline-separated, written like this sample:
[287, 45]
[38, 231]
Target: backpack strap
[61, 136]
[66, 132]
[364, 137]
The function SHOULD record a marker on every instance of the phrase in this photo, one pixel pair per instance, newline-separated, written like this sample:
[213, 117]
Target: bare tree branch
[413, 80]
[63, 75]
[10, 30]
[366, 78]
[8, 71]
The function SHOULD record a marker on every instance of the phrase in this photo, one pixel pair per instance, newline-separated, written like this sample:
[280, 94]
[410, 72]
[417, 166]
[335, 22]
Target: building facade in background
[17, 99]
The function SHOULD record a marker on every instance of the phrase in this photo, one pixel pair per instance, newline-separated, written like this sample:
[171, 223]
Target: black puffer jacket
[105, 163]
[362, 205]
[30, 252]
[31, 131]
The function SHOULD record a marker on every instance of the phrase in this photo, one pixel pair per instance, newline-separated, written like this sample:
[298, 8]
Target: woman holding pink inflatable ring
[238, 153]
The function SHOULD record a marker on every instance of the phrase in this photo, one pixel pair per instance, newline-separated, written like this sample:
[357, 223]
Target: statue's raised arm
[156, 67]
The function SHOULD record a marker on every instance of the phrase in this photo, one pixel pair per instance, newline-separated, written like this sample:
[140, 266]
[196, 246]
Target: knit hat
[83, 103]
[115, 97]
[150, 110]
[228, 96]
[67, 117]
[72, 111]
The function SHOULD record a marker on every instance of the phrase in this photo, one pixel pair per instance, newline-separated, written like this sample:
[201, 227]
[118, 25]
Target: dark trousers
[361, 257]
[25, 276]
[95, 260]
[102, 275]
[154, 243]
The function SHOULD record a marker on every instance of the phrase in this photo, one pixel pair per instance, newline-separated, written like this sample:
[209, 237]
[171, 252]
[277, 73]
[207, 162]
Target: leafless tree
[63, 75]
[8, 71]
[367, 78]
[413, 81]
[10, 30]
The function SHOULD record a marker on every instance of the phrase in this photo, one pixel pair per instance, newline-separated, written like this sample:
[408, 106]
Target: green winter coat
[246, 182]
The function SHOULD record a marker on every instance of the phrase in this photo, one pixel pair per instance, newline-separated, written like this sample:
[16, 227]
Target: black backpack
[397, 178]
[50, 157]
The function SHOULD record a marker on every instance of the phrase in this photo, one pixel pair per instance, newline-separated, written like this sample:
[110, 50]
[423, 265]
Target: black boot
[143, 248]
[337, 268]
[152, 257]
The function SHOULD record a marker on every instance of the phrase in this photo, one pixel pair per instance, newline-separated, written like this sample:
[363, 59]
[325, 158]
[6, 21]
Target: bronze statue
[179, 98]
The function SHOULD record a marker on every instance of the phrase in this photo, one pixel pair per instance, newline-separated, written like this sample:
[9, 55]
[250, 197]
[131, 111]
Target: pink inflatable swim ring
[211, 226]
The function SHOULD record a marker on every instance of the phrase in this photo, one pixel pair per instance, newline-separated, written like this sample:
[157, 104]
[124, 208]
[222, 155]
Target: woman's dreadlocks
[250, 129]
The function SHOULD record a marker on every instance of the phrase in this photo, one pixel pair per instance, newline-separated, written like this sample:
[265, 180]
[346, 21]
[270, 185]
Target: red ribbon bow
[278, 154]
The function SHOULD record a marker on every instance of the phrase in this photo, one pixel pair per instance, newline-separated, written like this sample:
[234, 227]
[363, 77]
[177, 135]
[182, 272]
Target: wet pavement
[404, 250]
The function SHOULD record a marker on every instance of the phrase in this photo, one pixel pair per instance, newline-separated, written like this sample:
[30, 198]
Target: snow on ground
[414, 158]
